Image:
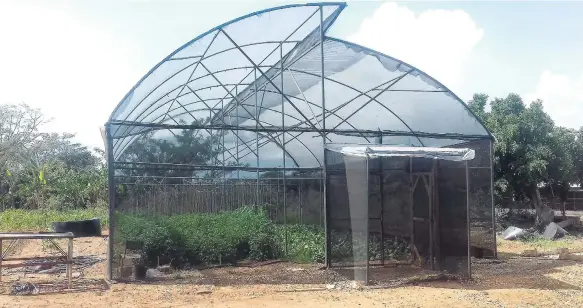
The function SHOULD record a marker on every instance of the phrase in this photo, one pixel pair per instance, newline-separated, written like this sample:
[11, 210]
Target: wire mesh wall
[428, 214]
[303, 198]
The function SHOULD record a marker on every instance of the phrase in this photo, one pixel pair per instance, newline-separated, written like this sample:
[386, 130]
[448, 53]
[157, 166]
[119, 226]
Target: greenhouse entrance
[399, 207]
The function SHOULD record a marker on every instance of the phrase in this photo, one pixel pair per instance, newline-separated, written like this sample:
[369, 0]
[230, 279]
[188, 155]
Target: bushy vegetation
[226, 237]
[40, 220]
[243, 234]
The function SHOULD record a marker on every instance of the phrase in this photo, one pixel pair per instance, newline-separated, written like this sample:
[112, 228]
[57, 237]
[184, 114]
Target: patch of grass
[40, 220]
[516, 247]
[541, 243]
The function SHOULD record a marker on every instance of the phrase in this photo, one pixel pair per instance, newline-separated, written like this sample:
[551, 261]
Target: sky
[75, 60]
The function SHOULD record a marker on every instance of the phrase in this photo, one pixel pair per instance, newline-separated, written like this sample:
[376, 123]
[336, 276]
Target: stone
[512, 233]
[76, 275]
[153, 273]
[554, 231]
[164, 269]
[566, 223]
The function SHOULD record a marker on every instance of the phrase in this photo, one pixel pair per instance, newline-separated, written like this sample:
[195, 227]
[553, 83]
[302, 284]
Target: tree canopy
[530, 151]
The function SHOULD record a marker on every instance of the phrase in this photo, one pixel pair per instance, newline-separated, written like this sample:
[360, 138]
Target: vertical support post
[111, 191]
[324, 166]
[435, 220]
[237, 132]
[1, 258]
[283, 145]
[300, 181]
[321, 194]
[492, 196]
[223, 197]
[256, 138]
[382, 202]
[431, 186]
[70, 262]
[412, 208]
[367, 231]
[468, 220]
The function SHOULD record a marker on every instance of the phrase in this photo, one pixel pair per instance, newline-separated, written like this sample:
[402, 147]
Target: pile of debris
[26, 288]
[552, 231]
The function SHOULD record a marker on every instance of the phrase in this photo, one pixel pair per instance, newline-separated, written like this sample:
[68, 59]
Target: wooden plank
[35, 236]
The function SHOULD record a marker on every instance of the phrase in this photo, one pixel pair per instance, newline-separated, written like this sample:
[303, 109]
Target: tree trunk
[544, 214]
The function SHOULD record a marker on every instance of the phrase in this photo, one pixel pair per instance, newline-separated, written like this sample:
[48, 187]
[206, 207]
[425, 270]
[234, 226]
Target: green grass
[540, 243]
[40, 220]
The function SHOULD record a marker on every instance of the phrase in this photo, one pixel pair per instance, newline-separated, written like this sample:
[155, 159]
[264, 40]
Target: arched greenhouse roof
[266, 80]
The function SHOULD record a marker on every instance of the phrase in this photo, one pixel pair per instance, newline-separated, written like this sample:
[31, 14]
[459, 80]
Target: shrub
[304, 243]
[203, 238]
[264, 246]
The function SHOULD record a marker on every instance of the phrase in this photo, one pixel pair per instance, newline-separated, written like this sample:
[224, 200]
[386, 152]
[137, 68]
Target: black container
[79, 228]
[140, 272]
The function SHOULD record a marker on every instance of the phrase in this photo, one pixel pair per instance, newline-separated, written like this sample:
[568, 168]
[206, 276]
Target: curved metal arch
[374, 52]
[234, 48]
[340, 5]
[360, 94]
[190, 80]
[180, 96]
[330, 111]
[243, 99]
[267, 136]
[295, 138]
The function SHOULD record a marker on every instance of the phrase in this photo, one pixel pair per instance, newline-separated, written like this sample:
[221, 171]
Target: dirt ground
[511, 282]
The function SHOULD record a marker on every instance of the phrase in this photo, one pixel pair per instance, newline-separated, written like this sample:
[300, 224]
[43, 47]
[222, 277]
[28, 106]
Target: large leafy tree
[530, 151]
[177, 148]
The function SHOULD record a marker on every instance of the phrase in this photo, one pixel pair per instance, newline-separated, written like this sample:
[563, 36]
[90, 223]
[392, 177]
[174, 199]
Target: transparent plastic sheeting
[357, 186]
[264, 71]
[451, 154]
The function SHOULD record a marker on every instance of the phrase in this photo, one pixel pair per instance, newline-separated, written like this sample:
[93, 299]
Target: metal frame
[429, 183]
[229, 111]
[65, 257]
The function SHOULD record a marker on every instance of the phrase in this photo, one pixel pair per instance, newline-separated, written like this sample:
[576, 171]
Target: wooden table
[64, 258]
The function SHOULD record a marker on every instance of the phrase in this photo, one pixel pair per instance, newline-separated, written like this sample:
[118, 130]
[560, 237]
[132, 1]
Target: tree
[19, 126]
[187, 147]
[45, 169]
[530, 151]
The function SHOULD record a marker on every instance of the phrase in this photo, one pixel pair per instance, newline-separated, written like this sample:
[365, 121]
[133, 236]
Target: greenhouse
[267, 115]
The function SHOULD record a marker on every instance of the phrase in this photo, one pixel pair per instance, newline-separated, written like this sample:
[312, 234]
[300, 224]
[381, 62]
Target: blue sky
[76, 59]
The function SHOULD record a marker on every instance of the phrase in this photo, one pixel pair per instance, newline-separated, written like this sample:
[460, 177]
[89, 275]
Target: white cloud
[53, 59]
[562, 98]
[436, 41]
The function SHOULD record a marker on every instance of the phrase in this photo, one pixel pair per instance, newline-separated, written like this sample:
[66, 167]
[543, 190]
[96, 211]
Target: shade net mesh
[264, 72]
[235, 118]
